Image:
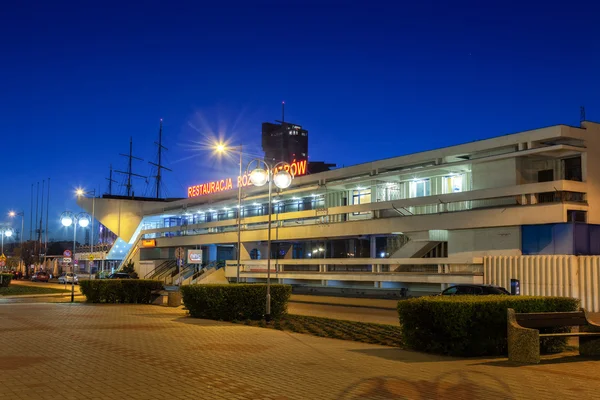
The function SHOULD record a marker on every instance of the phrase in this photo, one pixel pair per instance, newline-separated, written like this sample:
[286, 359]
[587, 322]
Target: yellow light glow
[220, 148]
[79, 192]
[12, 214]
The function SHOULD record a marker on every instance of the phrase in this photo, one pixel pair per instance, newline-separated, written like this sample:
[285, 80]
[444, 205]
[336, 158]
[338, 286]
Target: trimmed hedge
[5, 279]
[235, 302]
[119, 290]
[472, 325]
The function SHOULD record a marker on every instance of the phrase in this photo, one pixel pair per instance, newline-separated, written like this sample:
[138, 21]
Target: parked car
[481, 290]
[69, 277]
[119, 275]
[40, 277]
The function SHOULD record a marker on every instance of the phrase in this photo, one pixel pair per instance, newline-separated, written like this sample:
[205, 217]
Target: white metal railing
[393, 265]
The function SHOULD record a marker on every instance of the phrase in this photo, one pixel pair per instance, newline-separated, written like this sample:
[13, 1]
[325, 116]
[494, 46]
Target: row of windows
[247, 211]
[417, 188]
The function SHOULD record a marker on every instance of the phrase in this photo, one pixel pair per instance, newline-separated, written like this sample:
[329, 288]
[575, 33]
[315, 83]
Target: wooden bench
[524, 335]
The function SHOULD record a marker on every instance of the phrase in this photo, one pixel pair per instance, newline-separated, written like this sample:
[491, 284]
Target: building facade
[419, 222]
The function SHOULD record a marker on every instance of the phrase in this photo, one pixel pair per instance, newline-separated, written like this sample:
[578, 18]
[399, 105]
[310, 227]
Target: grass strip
[363, 332]
[15, 290]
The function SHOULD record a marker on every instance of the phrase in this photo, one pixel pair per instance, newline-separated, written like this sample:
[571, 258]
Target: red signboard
[296, 168]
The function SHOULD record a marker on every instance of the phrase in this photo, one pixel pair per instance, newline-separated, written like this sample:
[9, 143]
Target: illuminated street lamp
[21, 214]
[67, 219]
[222, 148]
[81, 192]
[259, 176]
[5, 232]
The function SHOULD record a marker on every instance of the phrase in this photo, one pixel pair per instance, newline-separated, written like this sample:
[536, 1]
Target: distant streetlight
[5, 232]
[68, 218]
[81, 192]
[259, 176]
[222, 148]
[21, 214]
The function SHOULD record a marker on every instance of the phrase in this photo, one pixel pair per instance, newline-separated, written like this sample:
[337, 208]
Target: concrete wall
[122, 217]
[485, 242]
[591, 170]
[494, 174]
[570, 276]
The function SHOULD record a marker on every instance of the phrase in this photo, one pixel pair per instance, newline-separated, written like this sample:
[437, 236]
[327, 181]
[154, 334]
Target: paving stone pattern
[84, 351]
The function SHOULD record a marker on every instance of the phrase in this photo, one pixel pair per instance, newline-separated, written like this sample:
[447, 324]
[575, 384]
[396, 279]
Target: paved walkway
[83, 351]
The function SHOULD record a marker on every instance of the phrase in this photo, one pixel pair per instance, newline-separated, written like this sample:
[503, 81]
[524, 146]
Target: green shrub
[472, 325]
[120, 290]
[5, 279]
[234, 302]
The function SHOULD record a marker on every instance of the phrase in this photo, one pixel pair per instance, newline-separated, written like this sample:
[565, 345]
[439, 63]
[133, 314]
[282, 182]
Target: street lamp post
[221, 148]
[282, 177]
[80, 192]
[21, 214]
[68, 218]
[5, 232]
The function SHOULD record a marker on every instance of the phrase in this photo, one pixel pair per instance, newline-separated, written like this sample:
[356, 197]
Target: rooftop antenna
[159, 166]
[110, 180]
[282, 111]
[581, 114]
[129, 172]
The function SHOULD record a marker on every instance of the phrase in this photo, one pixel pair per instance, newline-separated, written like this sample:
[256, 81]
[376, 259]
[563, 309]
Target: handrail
[157, 270]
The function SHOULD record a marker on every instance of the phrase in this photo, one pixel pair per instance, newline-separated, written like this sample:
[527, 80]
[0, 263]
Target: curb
[27, 296]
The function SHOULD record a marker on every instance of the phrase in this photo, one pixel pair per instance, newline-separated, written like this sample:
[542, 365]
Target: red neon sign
[296, 168]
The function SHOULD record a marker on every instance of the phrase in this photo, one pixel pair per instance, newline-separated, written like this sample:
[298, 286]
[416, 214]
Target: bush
[5, 279]
[234, 302]
[120, 290]
[472, 325]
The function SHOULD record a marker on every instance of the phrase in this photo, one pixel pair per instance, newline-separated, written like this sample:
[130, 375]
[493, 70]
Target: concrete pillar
[373, 250]
[532, 198]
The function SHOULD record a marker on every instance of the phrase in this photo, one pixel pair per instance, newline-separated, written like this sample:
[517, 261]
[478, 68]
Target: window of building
[576, 216]
[453, 183]
[572, 168]
[255, 254]
[361, 196]
[546, 175]
[420, 188]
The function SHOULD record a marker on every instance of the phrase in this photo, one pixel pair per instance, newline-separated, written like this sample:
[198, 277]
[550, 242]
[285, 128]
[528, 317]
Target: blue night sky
[369, 80]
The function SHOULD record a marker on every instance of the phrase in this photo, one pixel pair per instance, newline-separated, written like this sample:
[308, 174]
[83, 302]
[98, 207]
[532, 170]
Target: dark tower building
[284, 142]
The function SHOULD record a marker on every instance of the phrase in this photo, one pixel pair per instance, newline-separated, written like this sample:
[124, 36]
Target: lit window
[453, 184]
[361, 196]
[420, 188]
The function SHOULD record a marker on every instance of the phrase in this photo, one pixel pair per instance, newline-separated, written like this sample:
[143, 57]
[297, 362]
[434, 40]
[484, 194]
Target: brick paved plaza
[82, 351]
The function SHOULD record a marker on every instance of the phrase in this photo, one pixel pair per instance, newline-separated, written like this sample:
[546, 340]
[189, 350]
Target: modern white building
[418, 221]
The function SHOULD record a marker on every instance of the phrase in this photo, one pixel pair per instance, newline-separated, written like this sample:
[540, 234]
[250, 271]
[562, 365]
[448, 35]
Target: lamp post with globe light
[81, 192]
[5, 232]
[21, 214]
[282, 177]
[67, 219]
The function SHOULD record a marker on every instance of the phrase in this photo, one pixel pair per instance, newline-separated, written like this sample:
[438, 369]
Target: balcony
[517, 199]
[407, 270]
